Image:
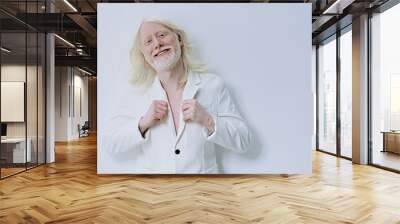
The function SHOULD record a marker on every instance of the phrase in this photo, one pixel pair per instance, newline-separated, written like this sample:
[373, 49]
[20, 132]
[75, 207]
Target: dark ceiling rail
[341, 21]
[386, 5]
[86, 51]
[338, 24]
[50, 22]
[42, 22]
[78, 61]
[14, 18]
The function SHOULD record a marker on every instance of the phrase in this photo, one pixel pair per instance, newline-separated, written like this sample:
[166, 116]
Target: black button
[177, 151]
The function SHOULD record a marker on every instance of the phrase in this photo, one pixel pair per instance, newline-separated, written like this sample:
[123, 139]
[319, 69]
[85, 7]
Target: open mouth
[165, 51]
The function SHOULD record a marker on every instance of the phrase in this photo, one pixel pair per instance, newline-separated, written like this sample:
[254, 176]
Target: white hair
[142, 72]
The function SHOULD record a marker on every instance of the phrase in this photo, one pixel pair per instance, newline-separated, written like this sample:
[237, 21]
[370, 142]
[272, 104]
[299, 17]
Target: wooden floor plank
[70, 191]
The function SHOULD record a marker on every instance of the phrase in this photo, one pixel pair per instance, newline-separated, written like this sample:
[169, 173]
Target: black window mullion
[0, 96]
[369, 91]
[37, 90]
[26, 86]
[317, 96]
[338, 92]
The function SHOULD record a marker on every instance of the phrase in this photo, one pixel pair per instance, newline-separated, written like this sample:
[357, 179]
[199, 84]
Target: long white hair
[143, 74]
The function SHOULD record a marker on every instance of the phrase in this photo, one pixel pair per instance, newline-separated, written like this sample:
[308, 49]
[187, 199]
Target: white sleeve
[230, 130]
[121, 132]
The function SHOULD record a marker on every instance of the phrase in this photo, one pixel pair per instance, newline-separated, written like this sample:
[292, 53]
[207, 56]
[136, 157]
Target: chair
[84, 130]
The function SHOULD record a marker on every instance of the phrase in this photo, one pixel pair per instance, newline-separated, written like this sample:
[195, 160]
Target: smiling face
[160, 46]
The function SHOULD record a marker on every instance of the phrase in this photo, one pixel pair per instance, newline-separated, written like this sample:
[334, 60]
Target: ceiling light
[338, 6]
[5, 50]
[331, 7]
[70, 5]
[64, 40]
[84, 71]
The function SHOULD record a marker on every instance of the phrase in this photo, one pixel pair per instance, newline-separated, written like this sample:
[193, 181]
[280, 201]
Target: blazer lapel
[190, 91]
[156, 90]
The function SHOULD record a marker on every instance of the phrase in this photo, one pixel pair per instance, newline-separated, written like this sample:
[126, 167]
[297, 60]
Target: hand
[157, 111]
[194, 112]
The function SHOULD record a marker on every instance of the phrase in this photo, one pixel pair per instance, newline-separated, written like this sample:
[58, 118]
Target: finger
[163, 114]
[187, 110]
[159, 104]
[161, 107]
[188, 101]
[189, 114]
[186, 117]
[158, 116]
[185, 113]
[163, 102]
[158, 110]
[186, 107]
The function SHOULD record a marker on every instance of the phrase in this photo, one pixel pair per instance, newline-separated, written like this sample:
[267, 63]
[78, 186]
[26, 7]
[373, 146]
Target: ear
[179, 39]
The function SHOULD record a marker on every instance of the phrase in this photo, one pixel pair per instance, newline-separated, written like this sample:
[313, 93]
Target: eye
[161, 35]
[147, 42]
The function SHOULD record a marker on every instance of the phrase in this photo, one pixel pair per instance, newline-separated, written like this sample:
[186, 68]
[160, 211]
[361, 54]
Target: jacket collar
[191, 88]
[193, 82]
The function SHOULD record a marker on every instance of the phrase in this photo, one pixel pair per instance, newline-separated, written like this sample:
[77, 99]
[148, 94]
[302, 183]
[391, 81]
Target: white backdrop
[261, 51]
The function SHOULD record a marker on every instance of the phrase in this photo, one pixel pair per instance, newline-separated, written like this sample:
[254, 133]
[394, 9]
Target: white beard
[167, 62]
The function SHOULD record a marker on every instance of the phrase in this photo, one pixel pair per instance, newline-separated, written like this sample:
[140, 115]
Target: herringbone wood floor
[70, 191]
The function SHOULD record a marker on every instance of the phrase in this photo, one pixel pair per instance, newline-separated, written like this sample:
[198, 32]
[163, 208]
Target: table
[13, 150]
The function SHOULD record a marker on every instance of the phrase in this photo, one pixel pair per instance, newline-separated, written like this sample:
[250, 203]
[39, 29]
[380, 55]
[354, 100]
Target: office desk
[391, 141]
[13, 150]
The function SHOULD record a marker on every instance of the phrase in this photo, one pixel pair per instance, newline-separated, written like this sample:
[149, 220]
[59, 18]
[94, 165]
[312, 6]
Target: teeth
[162, 52]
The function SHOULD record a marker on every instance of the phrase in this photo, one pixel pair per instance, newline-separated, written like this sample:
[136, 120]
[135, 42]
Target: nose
[157, 43]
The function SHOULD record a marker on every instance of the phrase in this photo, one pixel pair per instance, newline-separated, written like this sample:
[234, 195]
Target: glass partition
[327, 96]
[22, 63]
[31, 100]
[385, 89]
[346, 93]
[14, 155]
[41, 107]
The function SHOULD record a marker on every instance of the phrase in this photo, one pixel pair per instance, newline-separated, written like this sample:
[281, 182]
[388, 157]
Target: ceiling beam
[86, 27]
[337, 6]
[83, 61]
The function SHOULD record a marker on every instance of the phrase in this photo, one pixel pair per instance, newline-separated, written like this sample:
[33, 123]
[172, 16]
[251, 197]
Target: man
[161, 48]
[183, 113]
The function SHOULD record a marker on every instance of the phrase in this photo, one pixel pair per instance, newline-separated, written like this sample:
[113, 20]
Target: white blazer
[191, 150]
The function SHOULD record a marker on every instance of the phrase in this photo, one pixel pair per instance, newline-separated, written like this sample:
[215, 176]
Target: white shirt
[191, 150]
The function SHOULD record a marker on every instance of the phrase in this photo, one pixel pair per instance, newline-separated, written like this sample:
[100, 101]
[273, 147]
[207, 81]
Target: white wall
[68, 83]
[79, 117]
[61, 103]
